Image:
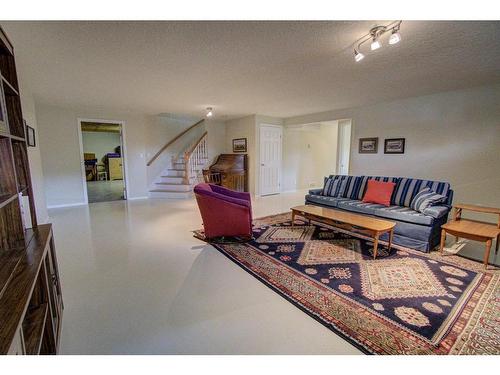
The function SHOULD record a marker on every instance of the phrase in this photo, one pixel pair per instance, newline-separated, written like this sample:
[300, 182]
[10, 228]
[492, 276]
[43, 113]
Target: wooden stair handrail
[172, 141]
[187, 154]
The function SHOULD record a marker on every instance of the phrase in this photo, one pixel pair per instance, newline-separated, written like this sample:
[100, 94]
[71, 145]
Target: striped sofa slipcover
[417, 230]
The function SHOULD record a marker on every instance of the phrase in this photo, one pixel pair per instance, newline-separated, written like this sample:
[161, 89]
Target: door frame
[123, 152]
[280, 127]
[339, 131]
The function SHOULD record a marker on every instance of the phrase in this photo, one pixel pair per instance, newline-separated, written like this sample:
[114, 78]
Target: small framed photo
[368, 145]
[240, 145]
[30, 136]
[394, 146]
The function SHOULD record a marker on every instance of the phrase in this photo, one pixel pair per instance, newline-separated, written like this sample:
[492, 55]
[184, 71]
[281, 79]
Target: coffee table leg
[496, 246]
[443, 239]
[293, 218]
[487, 254]
[375, 246]
[391, 233]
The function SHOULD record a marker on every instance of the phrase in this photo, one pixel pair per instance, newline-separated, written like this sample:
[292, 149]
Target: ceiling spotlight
[375, 44]
[395, 37]
[209, 112]
[358, 56]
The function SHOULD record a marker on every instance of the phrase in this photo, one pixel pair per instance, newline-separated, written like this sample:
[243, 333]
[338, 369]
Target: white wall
[249, 127]
[244, 128]
[450, 136]
[60, 151]
[34, 156]
[100, 143]
[309, 154]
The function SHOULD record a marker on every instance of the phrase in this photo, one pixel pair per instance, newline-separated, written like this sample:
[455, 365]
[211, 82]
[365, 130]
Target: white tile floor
[135, 281]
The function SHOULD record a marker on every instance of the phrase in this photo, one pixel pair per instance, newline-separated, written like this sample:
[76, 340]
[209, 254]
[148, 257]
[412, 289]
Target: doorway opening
[102, 153]
[312, 151]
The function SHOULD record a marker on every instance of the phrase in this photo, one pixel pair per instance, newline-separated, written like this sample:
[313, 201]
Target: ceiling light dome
[210, 112]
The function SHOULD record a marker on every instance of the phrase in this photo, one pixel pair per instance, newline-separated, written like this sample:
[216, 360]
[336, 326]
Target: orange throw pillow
[379, 192]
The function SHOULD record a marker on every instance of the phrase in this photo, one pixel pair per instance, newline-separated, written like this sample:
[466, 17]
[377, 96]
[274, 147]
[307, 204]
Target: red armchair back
[225, 213]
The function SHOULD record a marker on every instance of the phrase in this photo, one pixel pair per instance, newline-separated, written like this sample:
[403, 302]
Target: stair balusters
[195, 159]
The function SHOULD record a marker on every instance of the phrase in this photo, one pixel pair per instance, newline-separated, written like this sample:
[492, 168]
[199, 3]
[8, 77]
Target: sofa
[414, 229]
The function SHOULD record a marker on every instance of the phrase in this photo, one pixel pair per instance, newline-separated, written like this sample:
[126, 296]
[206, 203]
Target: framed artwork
[240, 145]
[368, 145]
[394, 146]
[30, 135]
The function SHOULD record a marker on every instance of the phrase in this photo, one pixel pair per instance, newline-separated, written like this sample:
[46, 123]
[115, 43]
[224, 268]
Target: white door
[344, 147]
[270, 159]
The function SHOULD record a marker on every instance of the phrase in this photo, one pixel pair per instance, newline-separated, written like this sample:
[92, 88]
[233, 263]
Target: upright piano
[230, 171]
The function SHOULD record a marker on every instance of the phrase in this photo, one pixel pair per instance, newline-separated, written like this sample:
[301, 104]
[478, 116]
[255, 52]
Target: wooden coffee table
[346, 220]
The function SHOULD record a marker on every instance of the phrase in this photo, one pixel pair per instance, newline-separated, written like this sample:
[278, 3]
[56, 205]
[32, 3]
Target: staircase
[184, 171]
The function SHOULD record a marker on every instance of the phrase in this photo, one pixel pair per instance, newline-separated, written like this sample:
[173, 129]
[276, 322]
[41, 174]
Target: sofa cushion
[324, 201]
[333, 187]
[407, 188]
[426, 198]
[379, 192]
[358, 186]
[358, 206]
[350, 183]
[405, 214]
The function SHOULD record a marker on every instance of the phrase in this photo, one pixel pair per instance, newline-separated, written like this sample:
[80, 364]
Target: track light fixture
[374, 35]
[210, 112]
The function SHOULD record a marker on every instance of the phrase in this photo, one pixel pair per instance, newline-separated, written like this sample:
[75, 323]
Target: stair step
[172, 187]
[172, 179]
[175, 173]
[164, 194]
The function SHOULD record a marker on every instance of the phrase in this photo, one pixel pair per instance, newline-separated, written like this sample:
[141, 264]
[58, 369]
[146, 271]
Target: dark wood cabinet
[31, 303]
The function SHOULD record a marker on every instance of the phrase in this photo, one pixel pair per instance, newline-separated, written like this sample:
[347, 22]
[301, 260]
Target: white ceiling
[279, 69]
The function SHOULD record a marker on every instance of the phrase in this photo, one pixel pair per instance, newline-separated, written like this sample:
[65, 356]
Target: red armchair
[225, 213]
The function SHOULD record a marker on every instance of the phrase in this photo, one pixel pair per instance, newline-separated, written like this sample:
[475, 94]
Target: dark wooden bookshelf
[31, 303]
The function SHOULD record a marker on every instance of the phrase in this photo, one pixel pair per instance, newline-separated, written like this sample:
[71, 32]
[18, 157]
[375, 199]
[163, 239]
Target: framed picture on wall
[30, 135]
[368, 145]
[240, 145]
[394, 146]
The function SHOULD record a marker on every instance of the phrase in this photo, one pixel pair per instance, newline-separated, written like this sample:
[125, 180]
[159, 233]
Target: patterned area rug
[404, 302]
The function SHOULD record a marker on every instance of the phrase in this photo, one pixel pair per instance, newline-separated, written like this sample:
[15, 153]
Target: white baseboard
[66, 205]
[137, 198]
